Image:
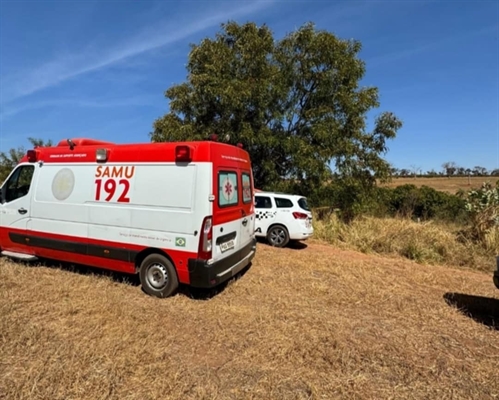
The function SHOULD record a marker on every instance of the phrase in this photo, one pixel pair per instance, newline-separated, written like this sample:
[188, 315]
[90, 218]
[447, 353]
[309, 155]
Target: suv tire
[278, 236]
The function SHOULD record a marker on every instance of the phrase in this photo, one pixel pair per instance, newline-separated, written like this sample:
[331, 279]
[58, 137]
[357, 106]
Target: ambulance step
[21, 256]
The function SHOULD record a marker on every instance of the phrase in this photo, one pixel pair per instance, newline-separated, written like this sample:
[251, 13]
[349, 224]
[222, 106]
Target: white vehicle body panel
[278, 208]
[157, 214]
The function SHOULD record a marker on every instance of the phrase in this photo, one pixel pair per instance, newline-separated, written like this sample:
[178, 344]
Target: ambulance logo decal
[228, 189]
[63, 184]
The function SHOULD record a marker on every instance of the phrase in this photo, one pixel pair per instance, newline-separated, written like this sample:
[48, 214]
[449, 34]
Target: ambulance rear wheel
[158, 276]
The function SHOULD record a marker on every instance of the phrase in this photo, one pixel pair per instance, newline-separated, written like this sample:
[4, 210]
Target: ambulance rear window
[247, 195]
[227, 189]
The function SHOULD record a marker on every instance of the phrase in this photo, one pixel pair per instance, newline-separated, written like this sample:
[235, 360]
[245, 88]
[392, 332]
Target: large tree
[295, 104]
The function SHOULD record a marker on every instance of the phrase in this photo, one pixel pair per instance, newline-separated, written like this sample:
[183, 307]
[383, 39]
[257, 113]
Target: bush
[427, 203]
[406, 201]
[483, 208]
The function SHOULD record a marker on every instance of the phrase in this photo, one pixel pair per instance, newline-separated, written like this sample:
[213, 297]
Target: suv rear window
[283, 203]
[303, 204]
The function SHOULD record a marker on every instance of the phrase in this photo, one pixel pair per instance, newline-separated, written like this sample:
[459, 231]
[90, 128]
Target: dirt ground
[310, 322]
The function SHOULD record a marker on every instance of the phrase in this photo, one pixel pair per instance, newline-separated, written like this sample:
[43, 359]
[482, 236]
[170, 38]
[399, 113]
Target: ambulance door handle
[22, 211]
[245, 221]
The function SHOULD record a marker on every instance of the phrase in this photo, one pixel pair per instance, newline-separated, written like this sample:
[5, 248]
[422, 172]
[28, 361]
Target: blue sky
[100, 68]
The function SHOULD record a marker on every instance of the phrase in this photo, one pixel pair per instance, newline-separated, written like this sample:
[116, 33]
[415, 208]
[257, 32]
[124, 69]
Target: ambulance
[173, 213]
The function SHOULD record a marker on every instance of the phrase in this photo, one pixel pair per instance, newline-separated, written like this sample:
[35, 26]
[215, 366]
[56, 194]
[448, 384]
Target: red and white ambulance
[180, 212]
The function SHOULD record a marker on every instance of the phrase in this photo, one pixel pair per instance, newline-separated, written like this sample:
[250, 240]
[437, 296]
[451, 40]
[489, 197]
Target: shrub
[406, 201]
[427, 203]
[483, 208]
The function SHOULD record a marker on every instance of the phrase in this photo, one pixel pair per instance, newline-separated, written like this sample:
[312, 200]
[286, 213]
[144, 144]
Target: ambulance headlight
[101, 155]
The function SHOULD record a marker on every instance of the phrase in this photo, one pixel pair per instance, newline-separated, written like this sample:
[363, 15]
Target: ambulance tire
[158, 276]
[278, 236]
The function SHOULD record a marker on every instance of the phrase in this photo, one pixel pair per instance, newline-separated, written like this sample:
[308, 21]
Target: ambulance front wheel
[158, 276]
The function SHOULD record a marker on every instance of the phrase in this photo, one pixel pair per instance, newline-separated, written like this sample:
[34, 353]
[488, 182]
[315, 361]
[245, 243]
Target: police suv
[281, 218]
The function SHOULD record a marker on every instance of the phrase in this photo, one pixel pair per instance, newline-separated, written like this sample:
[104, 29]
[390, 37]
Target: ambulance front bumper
[204, 275]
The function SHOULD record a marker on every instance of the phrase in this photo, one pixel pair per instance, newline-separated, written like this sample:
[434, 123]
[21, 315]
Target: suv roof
[278, 194]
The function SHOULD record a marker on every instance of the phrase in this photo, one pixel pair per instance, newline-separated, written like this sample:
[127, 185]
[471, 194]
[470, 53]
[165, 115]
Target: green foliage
[479, 200]
[10, 159]
[483, 208]
[407, 201]
[426, 203]
[295, 104]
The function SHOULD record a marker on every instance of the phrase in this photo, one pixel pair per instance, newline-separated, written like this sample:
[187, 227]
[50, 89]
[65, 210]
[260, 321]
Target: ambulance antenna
[71, 144]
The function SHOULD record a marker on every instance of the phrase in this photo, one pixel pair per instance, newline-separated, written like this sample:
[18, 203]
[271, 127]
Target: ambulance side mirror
[2, 194]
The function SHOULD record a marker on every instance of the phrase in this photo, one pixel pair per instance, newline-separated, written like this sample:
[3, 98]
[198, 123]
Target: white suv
[282, 217]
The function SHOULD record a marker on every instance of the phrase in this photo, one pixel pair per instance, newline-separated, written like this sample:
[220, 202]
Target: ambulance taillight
[183, 154]
[205, 241]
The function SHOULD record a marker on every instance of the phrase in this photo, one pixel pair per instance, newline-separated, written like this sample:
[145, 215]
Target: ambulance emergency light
[183, 153]
[32, 155]
[101, 155]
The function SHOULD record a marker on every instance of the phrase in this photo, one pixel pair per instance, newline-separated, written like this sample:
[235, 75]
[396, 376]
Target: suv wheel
[278, 236]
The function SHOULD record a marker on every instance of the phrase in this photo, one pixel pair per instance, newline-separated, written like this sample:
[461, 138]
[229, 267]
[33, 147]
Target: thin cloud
[376, 61]
[9, 111]
[72, 65]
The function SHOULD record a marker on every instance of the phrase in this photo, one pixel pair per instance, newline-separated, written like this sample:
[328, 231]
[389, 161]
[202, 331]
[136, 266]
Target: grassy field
[450, 185]
[430, 242]
[311, 322]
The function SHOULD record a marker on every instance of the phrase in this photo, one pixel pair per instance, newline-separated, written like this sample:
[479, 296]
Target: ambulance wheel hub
[157, 275]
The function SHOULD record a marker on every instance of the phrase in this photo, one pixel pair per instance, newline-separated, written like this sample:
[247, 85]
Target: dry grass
[312, 323]
[450, 185]
[426, 242]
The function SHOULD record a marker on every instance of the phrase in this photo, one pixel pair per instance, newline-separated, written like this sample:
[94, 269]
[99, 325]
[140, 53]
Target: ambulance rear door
[231, 216]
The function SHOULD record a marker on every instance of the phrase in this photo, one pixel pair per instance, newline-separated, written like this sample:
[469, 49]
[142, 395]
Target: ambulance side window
[227, 189]
[18, 183]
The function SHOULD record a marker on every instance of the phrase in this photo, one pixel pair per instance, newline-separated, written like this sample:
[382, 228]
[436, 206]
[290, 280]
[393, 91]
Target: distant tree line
[449, 169]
